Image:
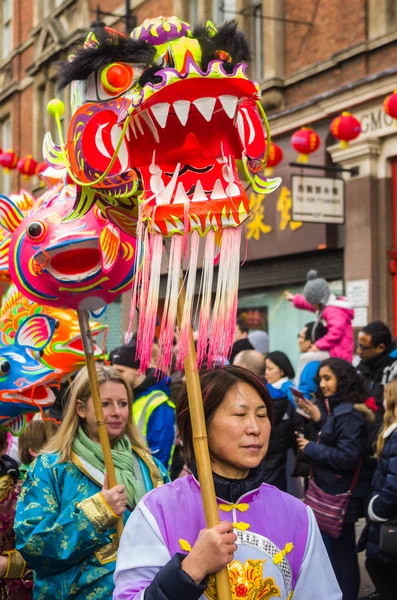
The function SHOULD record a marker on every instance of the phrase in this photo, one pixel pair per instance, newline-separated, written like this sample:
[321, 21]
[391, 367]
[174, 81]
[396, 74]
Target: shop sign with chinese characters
[318, 199]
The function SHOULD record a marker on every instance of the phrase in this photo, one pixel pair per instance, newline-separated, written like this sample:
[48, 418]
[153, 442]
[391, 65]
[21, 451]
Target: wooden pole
[88, 346]
[200, 442]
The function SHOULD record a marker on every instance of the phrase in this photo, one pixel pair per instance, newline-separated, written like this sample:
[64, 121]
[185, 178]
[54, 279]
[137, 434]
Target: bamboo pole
[88, 346]
[200, 443]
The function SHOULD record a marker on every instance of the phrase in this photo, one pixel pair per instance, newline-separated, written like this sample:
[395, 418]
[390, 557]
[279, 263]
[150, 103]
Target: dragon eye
[36, 230]
[116, 78]
[5, 367]
[222, 55]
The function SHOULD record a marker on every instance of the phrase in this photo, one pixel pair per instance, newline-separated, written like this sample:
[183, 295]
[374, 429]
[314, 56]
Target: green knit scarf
[123, 459]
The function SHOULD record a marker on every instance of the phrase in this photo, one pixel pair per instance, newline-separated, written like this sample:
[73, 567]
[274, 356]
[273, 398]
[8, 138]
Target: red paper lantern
[8, 160]
[305, 141]
[27, 166]
[41, 167]
[345, 128]
[390, 105]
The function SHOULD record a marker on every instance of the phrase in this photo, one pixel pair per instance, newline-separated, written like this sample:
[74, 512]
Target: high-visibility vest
[143, 407]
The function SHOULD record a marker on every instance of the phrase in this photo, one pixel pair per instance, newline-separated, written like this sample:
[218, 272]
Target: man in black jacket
[284, 425]
[378, 365]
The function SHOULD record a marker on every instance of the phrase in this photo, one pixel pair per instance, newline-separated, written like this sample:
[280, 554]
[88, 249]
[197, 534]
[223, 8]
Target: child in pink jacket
[336, 313]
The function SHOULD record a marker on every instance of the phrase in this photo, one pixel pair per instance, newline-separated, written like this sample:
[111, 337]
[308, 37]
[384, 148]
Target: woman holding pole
[67, 515]
[269, 540]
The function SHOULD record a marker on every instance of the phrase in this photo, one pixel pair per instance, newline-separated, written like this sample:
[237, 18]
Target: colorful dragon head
[82, 265]
[24, 380]
[164, 122]
[64, 351]
[165, 114]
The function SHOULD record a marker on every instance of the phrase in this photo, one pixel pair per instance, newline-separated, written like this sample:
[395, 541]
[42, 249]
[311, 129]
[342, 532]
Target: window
[6, 144]
[46, 6]
[257, 45]
[6, 44]
[224, 10]
[193, 12]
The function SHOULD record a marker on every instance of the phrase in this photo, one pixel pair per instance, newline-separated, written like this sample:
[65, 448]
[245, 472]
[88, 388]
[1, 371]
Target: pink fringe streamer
[148, 309]
[206, 295]
[225, 306]
[184, 333]
[168, 321]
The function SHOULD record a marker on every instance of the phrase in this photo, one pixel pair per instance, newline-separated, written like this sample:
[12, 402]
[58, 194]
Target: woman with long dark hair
[382, 565]
[269, 539]
[337, 458]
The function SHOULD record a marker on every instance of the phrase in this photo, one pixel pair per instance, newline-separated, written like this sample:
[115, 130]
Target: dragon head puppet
[82, 265]
[64, 351]
[166, 134]
[24, 381]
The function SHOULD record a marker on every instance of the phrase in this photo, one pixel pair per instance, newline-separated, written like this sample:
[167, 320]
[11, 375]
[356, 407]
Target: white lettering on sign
[375, 122]
[318, 199]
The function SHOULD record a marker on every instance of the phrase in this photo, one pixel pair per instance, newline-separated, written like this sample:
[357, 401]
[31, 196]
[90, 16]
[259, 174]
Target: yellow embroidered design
[184, 544]
[246, 581]
[5, 484]
[277, 558]
[290, 595]
[16, 564]
[229, 507]
[108, 553]
[241, 526]
[97, 510]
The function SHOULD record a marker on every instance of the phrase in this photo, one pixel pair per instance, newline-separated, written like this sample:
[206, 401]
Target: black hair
[112, 47]
[215, 384]
[242, 325]
[379, 332]
[282, 361]
[3, 439]
[228, 39]
[315, 331]
[351, 385]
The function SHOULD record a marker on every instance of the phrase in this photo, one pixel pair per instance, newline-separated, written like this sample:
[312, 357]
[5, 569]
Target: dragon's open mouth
[186, 146]
[76, 346]
[77, 262]
[39, 395]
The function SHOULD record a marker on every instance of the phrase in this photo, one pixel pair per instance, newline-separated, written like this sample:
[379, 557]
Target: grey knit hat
[316, 290]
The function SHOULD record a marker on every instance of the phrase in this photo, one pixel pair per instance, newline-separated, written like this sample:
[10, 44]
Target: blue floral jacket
[65, 530]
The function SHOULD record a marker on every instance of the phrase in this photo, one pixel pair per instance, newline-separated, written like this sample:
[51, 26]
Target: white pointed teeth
[181, 196]
[150, 123]
[199, 194]
[229, 104]
[182, 108]
[205, 106]
[218, 192]
[165, 196]
[160, 112]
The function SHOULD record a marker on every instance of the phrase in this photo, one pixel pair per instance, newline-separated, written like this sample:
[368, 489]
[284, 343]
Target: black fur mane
[113, 47]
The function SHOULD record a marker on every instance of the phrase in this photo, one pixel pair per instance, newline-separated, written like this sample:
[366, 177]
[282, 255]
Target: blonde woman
[66, 517]
[382, 507]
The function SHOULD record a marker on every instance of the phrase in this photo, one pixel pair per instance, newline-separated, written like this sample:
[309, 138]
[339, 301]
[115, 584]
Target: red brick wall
[338, 25]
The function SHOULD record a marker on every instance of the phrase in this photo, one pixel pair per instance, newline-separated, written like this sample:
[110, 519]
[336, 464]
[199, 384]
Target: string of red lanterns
[27, 165]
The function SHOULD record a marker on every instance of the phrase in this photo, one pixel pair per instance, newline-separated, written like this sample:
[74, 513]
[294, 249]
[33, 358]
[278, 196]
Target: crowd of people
[298, 457]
